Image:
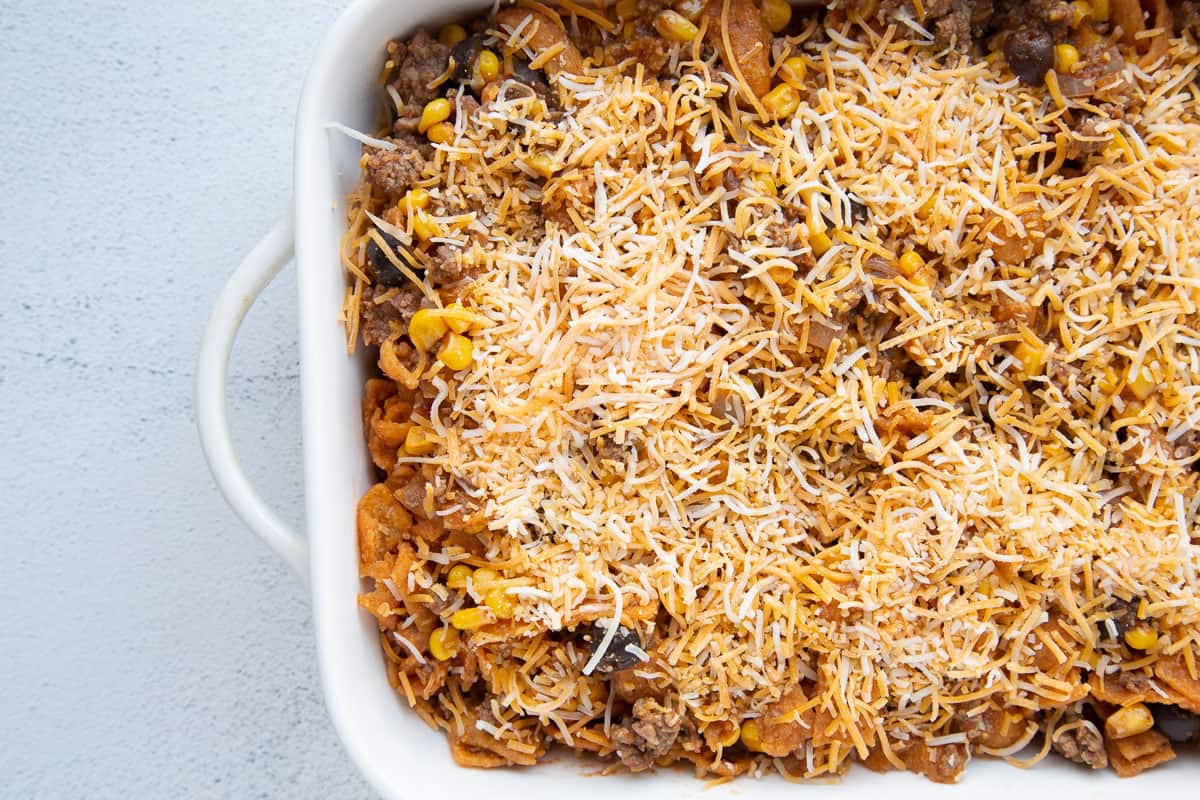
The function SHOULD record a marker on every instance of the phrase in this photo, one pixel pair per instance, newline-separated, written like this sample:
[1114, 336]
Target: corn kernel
[730, 733]
[1110, 381]
[777, 14]
[456, 353]
[500, 604]
[692, 9]
[628, 31]
[792, 71]
[489, 65]
[483, 578]
[542, 165]
[1066, 58]
[1100, 10]
[626, 9]
[457, 318]
[419, 441]
[1031, 356]
[441, 133]
[820, 243]
[435, 111]
[1080, 10]
[1141, 637]
[1129, 721]
[452, 34]
[782, 101]
[674, 26]
[468, 619]
[1142, 384]
[426, 329]
[751, 736]
[414, 199]
[424, 226]
[443, 643]
[456, 578]
[910, 263]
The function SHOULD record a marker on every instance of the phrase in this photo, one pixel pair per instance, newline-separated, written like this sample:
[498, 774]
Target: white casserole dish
[397, 753]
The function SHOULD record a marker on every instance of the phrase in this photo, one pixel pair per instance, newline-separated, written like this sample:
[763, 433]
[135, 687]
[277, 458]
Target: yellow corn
[420, 441]
[468, 619]
[1141, 637]
[626, 9]
[500, 604]
[435, 111]
[414, 200]
[456, 578]
[782, 101]
[1142, 384]
[443, 643]
[483, 578]
[441, 133]
[424, 227]
[777, 14]
[452, 34]
[820, 243]
[692, 9]
[1066, 57]
[542, 165]
[1080, 10]
[731, 735]
[1129, 721]
[910, 263]
[426, 328]
[750, 736]
[1031, 356]
[457, 318]
[674, 26]
[1100, 10]
[489, 65]
[456, 353]
[793, 70]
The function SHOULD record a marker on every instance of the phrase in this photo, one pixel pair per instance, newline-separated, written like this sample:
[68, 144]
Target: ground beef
[1187, 19]
[953, 31]
[647, 734]
[385, 312]
[1083, 743]
[443, 267]
[419, 62]
[646, 50]
[395, 171]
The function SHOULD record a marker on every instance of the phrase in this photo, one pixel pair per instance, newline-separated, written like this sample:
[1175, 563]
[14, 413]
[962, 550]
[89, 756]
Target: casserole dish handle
[243, 287]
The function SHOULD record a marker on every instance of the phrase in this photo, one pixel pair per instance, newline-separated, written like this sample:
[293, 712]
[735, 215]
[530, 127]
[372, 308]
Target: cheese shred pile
[713, 402]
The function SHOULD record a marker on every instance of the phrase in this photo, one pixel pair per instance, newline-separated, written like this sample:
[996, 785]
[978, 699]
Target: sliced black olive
[1175, 723]
[1030, 54]
[382, 269]
[616, 657]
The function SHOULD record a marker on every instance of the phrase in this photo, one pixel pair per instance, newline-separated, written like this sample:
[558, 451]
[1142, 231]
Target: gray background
[149, 645]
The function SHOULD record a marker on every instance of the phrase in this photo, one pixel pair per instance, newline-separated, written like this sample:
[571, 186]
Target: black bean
[465, 54]
[1175, 723]
[1030, 54]
[616, 657]
[383, 270]
[859, 213]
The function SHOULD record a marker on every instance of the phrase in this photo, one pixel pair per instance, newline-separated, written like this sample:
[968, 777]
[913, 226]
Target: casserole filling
[767, 389]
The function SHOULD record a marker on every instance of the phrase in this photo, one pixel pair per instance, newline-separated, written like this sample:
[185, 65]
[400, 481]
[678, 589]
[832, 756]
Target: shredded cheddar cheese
[914, 495]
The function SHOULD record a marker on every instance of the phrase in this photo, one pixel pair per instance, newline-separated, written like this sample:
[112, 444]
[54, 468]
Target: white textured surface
[149, 645]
